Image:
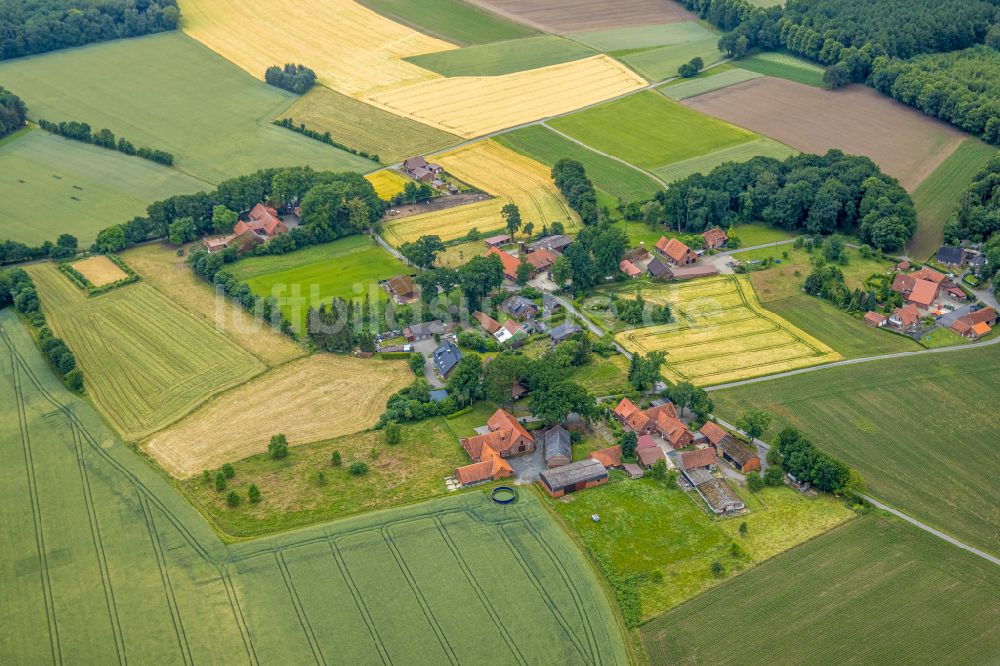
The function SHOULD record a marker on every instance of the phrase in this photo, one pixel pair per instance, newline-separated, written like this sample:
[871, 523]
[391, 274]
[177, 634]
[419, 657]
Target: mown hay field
[451, 20]
[319, 397]
[387, 183]
[511, 177]
[473, 106]
[685, 88]
[352, 49]
[784, 66]
[650, 131]
[875, 590]
[762, 147]
[507, 57]
[105, 561]
[51, 185]
[566, 16]
[365, 127]
[662, 62]
[895, 420]
[721, 333]
[146, 361]
[170, 92]
[99, 270]
[904, 142]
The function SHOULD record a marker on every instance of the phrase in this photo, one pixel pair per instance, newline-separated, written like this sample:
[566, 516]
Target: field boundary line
[634, 167]
[279, 558]
[359, 602]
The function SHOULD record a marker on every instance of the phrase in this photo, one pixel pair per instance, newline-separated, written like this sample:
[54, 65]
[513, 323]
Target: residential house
[956, 292]
[924, 293]
[573, 477]
[661, 419]
[676, 252]
[698, 459]
[903, 284]
[509, 261]
[427, 329]
[557, 243]
[563, 331]
[975, 324]
[511, 333]
[418, 167]
[558, 447]
[951, 256]
[610, 457]
[446, 357]
[648, 456]
[489, 324]
[977, 262]
[216, 243]
[541, 260]
[403, 289]
[263, 221]
[875, 319]
[506, 437]
[413, 163]
[658, 269]
[629, 269]
[632, 418]
[497, 241]
[518, 391]
[738, 454]
[520, 308]
[715, 238]
[491, 468]
[906, 318]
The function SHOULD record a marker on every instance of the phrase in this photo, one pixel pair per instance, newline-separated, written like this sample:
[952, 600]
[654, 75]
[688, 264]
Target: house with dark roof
[658, 269]
[951, 256]
[557, 243]
[676, 252]
[446, 357]
[573, 477]
[403, 289]
[738, 454]
[557, 447]
[563, 331]
[427, 329]
[714, 238]
[520, 308]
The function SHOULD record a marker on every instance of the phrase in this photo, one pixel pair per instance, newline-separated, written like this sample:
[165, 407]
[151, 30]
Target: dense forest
[977, 217]
[37, 26]
[13, 112]
[812, 193]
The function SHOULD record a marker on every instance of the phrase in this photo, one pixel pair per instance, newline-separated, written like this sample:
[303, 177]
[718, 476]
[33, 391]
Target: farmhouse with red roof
[676, 252]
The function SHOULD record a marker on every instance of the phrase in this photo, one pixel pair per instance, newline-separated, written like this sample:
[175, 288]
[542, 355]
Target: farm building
[491, 467]
[403, 289]
[427, 329]
[904, 265]
[629, 269]
[573, 477]
[632, 418]
[262, 221]
[699, 459]
[648, 456]
[661, 419]
[520, 308]
[924, 293]
[903, 284]
[420, 169]
[738, 454]
[497, 241]
[505, 437]
[951, 256]
[658, 269]
[557, 243]
[975, 324]
[930, 275]
[906, 318]
[489, 324]
[676, 252]
[244, 242]
[563, 331]
[446, 357]
[610, 457]
[713, 432]
[541, 260]
[633, 471]
[558, 449]
[509, 261]
[691, 272]
[720, 497]
[644, 442]
[875, 319]
[714, 238]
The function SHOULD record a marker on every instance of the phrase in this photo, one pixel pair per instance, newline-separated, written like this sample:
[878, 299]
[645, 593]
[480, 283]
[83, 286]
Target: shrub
[754, 482]
[335, 458]
[773, 476]
[233, 499]
[220, 482]
[718, 570]
[393, 433]
[744, 528]
[228, 471]
[736, 550]
[358, 468]
[253, 493]
[74, 380]
[278, 447]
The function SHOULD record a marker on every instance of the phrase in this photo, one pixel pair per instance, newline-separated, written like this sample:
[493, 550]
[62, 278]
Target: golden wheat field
[721, 333]
[387, 183]
[501, 172]
[474, 106]
[315, 398]
[100, 270]
[352, 49]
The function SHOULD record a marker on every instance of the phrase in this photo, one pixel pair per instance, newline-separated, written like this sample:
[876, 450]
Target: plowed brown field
[563, 16]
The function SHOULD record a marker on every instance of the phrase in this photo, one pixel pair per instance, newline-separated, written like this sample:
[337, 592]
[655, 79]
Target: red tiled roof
[903, 266]
[930, 275]
[924, 292]
[629, 269]
[509, 261]
[967, 323]
[908, 314]
[699, 458]
[876, 318]
[489, 324]
[609, 457]
[666, 409]
[903, 283]
[542, 259]
[632, 415]
[714, 432]
[503, 420]
[674, 249]
[715, 237]
[649, 456]
[645, 441]
[492, 467]
[674, 430]
[981, 329]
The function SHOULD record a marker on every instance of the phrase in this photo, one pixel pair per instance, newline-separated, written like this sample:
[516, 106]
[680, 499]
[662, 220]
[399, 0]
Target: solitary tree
[754, 423]
[774, 476]
[754, 482]
[233, 499]
[658, 470]
[358, 468]
[253, 493]
[744, 528]
[717, 569]
[562, 271]
[335, 458]
[512, 217]
[278, 447]
[393, 433]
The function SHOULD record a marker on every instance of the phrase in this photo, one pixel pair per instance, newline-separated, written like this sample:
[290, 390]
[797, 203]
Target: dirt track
[856, 119]
[563, 16]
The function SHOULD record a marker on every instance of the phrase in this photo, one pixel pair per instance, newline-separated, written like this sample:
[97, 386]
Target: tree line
[977, 217]
[325, 137]
[818, 194]
[571, 178]
[292, 77]
[13, 112]
[38, 26]
[800, 458]
[105, 138]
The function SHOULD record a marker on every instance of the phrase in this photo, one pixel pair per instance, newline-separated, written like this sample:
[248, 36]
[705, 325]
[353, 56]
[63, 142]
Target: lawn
[943, 337]
[784, 66]
[146, 360]
[104, 559]
[650, 131]
[936, 197]
[786, 279]
[505, 57]
[171, 93]
[661, 63]
[684, 88]
[762, 147]
[920, 430]
[349, 268]
[451, 20]
[84, 188]
[875, 590]
[620, 181]
[674, 541]
[365, 127]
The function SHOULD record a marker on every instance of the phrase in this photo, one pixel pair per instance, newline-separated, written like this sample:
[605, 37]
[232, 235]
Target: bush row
[105, 138]
[325, 137]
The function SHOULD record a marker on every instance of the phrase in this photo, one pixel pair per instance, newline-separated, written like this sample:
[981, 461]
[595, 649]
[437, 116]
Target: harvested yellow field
[721, 333]
[387, 183]
[474, 106]
[100, 271]
[352, 49]
[315, 398]
[510, 177]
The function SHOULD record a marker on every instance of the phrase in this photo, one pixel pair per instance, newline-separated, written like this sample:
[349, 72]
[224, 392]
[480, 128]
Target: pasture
[508, 176]
[366, 55]
[650, 131]
[146, 360]
[762, 147]
[157, 97]
[784, 66]
[676, 541]
[474, 106]
[105, 561]
[365, 127]
[504, 57]
[875, 590]
[721, 333]
[160, 267]
[661, 63]
[85, 188]
[566, 16]
[451, 20]
[542, 144]
[937, 197]
[682, 89]
[99, 270]
[349, 268]
[321, 397]
[920, 430]
[387, 183]
[856, 119]
[641, 37]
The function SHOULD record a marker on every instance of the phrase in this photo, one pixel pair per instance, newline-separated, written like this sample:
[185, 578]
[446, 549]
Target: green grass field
[650, 131]
[873, 591]
[146, 360]
[170, 92]
[686, 88]
[937, 196]
[104, 562]
[642, 37]
[920, 430]
[506, 57]
[51, 185]
[762, 147]
[618, 180]
[451, 20]
[364, 127]
[673, 542]
[784, 66]
[662, 62]
[349, 268]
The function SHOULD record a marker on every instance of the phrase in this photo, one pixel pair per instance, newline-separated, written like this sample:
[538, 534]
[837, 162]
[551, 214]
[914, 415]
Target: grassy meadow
[875, 590]
[709, 81]
[51, 185]
[349, 268]
[105, 561]
[642, 37]
[920, 430]
[451, 20]
[171, 93]
[662, 62]
[784, 66]
[505, 57]
[762, 147]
